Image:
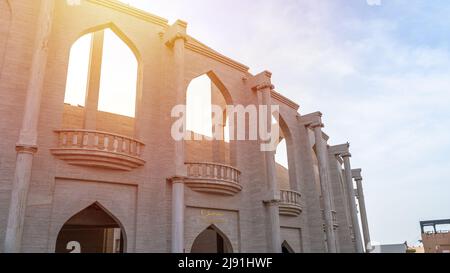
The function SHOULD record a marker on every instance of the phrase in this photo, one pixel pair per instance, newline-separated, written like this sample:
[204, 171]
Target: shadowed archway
[212, 240]
[92, 230]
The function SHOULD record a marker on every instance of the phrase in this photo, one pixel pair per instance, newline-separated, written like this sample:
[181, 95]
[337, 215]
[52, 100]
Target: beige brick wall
[141, 199]
[73, 118]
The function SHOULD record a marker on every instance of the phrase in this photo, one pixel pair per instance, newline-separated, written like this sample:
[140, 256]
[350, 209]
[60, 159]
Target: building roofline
[130, 10]
[199, 47]
[285, 100]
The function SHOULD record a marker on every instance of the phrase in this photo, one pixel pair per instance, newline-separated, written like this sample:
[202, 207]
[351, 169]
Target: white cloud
[374, 2]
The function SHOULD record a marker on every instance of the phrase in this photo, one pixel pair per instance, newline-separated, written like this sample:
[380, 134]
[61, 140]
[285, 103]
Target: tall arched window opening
[101, 84]
[206, 121]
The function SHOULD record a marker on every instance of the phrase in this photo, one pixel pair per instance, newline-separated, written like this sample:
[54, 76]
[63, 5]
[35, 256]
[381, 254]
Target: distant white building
[392, 248]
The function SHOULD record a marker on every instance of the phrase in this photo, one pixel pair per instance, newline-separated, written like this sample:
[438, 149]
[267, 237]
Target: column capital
[344, 155]
[356, 174]
[311, 119]
[177, 179]
[175, 32]
[264, 86]
[272, 202]
[341, 150]
[262, 81]
[26, 149]
[315, 125]
[173, 39]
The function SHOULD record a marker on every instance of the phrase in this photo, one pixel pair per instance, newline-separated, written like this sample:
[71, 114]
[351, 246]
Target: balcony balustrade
[213, 178]
[290, 203]
[99, 149]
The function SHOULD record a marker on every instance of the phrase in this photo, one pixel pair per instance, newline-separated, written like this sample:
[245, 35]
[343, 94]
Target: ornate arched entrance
[211, 240]
[92, 230]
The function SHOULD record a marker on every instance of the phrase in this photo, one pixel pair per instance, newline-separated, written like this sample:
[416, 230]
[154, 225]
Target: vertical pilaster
[322, 157]
[175, 38]
[352, 200]
[265, 87]
[362, 207]
[27, 143]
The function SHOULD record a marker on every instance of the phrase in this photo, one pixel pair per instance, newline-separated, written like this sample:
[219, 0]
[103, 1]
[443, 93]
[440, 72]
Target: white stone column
[178, 207]
[322, 157]
[272, 201]
[362, 208]
[175, 38]
[27, 143]
[352, 201]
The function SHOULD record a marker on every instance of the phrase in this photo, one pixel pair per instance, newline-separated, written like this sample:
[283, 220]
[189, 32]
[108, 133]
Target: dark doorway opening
[93, 230]
[211, 241]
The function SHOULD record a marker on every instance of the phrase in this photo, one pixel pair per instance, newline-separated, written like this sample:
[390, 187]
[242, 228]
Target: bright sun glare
[118, 81]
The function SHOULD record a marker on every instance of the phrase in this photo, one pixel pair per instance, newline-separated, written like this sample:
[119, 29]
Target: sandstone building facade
[435, 236]
[76, 179]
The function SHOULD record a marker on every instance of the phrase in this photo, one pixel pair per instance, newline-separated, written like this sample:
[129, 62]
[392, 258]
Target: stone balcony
[290, 203]
[98, 149]
[213, 178]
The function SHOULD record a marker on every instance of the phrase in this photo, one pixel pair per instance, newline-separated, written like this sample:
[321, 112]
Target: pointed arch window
[102, 77]
[206, 119]
[203, 97]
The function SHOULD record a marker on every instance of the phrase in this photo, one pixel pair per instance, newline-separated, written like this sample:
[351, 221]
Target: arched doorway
[93, 230]
[286, 248]
[211, 240]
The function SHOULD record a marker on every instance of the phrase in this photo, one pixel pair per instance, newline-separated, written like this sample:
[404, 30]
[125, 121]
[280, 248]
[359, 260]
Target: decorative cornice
[195, 46]
[26, 149]
[285, 100]
[137, 13]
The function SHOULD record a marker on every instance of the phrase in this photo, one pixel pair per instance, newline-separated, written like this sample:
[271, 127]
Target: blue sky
[380, 74]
